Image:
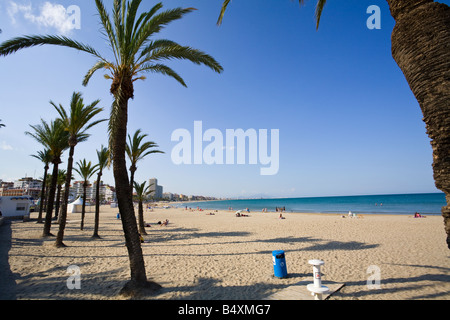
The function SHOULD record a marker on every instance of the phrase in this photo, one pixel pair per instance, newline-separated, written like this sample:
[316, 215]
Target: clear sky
[348, 122]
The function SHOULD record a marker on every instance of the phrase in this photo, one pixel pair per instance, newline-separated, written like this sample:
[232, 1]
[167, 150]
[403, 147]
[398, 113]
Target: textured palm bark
[63, 215]
[51, 200]
[97, 205]
[138, 283]
[421, 48]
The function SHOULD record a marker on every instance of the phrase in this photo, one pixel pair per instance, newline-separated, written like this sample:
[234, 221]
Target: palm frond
[103, 156]
[155, 25]
[319, 9]
[176, 51]
[16, 44]
[153, 45]
[86, 169]
[77, 120]
[222, 11]
[130, 20]
[52, 136]
[145, 17]
[163, 69]
[107, 27]
[99, 65]
[114, 119]
[43, 156]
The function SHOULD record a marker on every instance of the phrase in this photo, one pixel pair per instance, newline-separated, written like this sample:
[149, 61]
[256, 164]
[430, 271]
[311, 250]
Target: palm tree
[141, 194]
[85, 170]
[135, 54]
[420, 46]
[103, 156]
[53, 137]
[137, 151]
[45, 157]
[76, 121]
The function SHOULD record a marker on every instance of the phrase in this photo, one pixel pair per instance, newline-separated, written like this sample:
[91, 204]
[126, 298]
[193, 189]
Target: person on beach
[418, 215]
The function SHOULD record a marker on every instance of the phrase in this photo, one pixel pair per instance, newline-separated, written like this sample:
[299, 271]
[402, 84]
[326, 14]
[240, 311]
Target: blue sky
[348, 122]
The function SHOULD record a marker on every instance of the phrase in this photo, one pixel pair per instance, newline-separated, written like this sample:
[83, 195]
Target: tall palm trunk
[137, 266]
[83, 207]
[51, 200]
[97, 205]
[421, 48]
[41, 203]
[63, 215]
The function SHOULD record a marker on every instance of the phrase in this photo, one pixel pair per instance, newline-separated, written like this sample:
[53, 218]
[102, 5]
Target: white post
[316, 288]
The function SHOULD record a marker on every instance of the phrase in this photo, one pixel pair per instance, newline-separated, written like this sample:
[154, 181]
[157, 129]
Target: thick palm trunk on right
[421, 48]
[138, 280]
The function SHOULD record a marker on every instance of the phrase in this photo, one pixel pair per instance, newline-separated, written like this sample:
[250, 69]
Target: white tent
[76, 206]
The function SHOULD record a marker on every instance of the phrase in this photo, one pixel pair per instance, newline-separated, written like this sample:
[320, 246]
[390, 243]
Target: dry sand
[220, 256]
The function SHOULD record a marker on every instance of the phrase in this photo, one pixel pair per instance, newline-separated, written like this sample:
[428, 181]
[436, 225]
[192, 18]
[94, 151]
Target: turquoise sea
[424, 203]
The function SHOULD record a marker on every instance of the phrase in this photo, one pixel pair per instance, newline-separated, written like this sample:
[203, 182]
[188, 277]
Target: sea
[406, 204]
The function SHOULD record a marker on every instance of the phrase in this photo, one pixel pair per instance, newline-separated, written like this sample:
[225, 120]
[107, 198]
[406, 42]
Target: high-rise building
[157, 190]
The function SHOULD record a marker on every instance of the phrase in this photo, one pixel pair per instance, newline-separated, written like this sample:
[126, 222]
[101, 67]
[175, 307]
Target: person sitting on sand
[418, 215]
[281, 216]
[165, 223]
[239, 214]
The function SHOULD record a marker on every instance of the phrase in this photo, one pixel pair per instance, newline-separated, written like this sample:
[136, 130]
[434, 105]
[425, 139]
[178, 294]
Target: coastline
[222, 257]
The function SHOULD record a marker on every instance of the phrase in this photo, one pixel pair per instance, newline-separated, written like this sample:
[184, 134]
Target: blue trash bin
[279, 264]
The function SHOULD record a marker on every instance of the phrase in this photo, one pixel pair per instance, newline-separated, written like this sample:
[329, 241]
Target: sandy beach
[202, 257]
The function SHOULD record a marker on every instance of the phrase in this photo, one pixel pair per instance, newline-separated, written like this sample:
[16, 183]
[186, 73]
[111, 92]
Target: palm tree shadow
[7, 277]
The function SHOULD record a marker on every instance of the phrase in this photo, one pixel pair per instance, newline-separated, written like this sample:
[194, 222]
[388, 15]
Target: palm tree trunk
[58, 200]
[63, 215]
[132, 171]
[138, 280]
[51, 200]
[41, 203]
[141, 219]
[83, 207]
[421, 48]
[97, 206]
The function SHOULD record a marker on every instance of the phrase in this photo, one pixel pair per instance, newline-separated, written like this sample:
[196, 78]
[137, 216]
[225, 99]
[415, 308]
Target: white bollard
[316, 288]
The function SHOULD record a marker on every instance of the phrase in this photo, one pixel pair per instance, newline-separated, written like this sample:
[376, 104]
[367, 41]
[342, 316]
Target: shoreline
[198, 256]
[314, 213]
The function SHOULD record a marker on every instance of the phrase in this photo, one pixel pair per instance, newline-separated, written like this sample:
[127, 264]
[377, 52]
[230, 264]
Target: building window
[21, 207]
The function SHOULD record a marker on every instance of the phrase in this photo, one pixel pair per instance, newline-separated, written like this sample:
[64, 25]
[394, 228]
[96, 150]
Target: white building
[107, 192]
[27, 183]
[16, 207]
